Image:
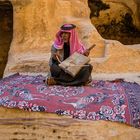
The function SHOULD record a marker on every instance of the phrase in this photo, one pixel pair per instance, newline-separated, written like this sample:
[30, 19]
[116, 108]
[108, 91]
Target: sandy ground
[129, 77]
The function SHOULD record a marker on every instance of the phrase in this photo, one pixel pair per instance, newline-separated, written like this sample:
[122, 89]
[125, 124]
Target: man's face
[65, 36]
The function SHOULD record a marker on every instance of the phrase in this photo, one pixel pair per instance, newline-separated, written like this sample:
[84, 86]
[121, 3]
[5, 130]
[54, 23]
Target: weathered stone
[117, 19]
[5, 32]
[17, 124]
[35, 25]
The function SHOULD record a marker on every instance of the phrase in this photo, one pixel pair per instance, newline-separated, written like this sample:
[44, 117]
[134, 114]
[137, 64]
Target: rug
[102, 100]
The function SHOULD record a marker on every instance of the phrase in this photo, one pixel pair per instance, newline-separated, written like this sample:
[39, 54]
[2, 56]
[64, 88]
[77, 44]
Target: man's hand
[56, 56]
[86, 53]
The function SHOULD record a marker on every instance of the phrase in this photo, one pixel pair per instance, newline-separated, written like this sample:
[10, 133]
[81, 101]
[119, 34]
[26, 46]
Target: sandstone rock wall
[132, 6]
[5, 33]
[35, 25]
[17, 124]
[117, 19]
[117, 8]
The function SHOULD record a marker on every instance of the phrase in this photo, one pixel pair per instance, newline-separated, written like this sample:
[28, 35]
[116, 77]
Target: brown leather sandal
[50, 81]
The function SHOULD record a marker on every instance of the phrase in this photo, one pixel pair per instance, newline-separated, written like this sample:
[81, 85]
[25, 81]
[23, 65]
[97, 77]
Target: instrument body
[73, 64]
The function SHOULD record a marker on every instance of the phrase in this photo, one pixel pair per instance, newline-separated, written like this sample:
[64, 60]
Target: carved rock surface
[35, 25]
[17, 124]
[117, 19]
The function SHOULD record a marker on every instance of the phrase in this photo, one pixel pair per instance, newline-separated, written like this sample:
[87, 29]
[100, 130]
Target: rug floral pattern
[102, 100]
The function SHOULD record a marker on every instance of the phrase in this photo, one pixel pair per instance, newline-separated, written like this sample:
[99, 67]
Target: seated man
[65, 44]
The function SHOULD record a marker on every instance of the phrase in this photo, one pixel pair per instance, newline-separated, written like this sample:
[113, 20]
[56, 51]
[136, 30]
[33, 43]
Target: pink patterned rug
[103, 100]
